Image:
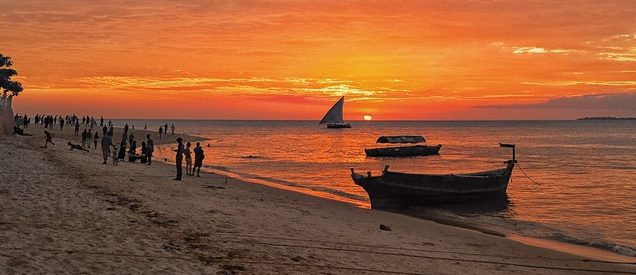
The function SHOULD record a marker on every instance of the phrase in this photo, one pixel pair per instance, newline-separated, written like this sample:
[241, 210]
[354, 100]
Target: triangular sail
[335, 113]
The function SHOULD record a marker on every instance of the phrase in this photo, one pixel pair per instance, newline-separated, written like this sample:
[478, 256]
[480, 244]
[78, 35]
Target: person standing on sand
[61, 124]
[84, 138]
[131, 138]
[150, 148]
[160, 131]
[198, 159]
[122, 150]
[171, 128]
[77, 127]
[179, 158]
[144, 152]
[89, 135]
[107, 141]
[188, 159]
[96, 138]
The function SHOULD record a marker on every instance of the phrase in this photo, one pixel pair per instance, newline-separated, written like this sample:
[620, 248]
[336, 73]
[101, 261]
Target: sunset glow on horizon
[293, 59]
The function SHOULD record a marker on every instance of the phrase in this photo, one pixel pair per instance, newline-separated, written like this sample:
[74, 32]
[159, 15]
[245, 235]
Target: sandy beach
[63, 211]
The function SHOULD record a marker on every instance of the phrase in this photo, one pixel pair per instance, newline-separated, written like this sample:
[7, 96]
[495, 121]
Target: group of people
[185, 151]
[111, 150]
[147, 146]
[164, 130]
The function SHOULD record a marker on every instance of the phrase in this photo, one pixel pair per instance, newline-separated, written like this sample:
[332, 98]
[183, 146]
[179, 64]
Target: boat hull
[394, 190]
[338, 125]
[404, 151]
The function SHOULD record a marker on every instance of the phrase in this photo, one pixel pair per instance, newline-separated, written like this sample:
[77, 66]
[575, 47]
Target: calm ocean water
[585, 170]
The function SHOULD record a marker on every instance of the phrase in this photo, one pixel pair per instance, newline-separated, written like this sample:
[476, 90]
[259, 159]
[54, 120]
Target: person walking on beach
[179, 158]
[150, 148]
[49, 139]
[188, 159]
[107, 141]
[61, 124]
[198, 159]
[160, 131]
[172, 129]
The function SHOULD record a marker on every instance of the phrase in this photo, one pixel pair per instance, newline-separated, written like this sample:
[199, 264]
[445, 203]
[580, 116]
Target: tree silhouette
[6, 84]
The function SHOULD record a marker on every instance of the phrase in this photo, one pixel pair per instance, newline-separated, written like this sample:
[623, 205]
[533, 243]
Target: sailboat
[333, 117]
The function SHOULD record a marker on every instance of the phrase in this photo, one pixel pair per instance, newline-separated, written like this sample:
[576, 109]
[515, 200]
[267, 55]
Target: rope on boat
[524, 173]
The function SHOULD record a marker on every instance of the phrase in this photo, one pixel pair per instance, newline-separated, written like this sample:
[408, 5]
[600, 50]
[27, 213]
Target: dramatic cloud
[404, 59]
[585, 105]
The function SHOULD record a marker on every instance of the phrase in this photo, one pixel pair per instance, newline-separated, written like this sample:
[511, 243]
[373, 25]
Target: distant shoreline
[606, 118]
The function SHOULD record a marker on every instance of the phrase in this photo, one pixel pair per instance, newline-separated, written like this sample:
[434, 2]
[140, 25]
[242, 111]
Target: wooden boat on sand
[394, 190]
[403, 151]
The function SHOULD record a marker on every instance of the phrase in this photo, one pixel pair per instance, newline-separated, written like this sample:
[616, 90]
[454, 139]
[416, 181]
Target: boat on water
[395, 190]
[414, 149]
[333, 117]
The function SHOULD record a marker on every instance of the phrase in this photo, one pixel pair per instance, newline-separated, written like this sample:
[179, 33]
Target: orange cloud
[394, 60]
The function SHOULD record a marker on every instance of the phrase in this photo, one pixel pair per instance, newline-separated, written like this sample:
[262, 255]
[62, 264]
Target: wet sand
[64, 212]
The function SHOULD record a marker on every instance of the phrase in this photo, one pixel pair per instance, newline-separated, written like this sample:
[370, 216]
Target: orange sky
[293, 59]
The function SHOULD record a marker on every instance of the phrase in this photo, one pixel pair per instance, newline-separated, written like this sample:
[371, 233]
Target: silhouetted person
[131, 138]
[61, 124]
[144, 152]
[179, 158]
[49, 139]
[126, 128]
[84, 138]
[198, 159]
[107, 141]
[172, 128]
[122, 150]
[96, 138]
[188, 158]
[150, 148]
[19, 131]
[77, 127]
[76, 146]
[132, 151]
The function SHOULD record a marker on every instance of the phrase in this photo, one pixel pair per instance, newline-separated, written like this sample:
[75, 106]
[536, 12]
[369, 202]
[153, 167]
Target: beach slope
[63, 211]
